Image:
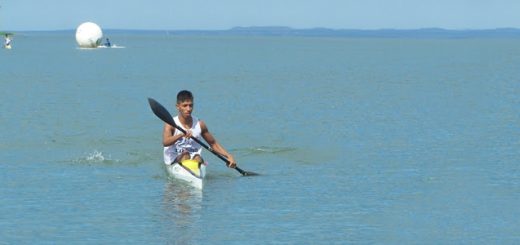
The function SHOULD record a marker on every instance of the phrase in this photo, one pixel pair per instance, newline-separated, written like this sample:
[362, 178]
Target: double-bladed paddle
[166, 117]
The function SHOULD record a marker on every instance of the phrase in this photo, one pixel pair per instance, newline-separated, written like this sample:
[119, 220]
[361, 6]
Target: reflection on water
[182, 205]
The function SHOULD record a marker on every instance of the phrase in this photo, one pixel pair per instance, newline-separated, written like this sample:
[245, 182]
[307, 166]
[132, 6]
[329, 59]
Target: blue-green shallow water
[385, 141]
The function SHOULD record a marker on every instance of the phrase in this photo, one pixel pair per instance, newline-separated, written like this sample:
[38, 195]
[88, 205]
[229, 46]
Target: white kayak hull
[194, 178]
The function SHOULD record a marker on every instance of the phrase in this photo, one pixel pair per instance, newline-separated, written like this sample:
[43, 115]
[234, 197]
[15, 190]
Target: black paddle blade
[246, 173]
[161, 112]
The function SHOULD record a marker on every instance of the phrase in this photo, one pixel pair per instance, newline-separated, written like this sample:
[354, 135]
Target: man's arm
[168, 137]
[215, 146]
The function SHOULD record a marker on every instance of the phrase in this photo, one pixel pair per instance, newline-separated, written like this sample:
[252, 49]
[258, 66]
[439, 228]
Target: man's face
[185, 108]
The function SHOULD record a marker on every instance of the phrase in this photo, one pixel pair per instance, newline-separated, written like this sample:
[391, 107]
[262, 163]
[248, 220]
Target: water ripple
[265, 150]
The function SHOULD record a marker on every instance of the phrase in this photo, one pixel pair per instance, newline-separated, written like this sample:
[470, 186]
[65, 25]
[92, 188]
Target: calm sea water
[384, 141]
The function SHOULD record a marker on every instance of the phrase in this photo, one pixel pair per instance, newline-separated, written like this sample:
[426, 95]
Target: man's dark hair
[184, 95]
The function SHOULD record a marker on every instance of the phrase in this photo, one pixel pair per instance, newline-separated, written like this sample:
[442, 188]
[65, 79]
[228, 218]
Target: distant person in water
[108, 44]
[7, 42]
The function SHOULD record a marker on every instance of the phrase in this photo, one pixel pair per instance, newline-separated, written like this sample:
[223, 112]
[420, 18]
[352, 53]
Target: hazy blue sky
[224, 14]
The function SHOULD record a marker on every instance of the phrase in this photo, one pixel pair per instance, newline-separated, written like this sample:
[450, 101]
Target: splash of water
[95, 157]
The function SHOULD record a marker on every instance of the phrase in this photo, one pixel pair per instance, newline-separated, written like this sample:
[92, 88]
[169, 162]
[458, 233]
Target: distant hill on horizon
[327, 32]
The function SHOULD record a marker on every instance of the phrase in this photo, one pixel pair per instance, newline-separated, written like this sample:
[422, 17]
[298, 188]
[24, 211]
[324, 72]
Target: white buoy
[89, 35]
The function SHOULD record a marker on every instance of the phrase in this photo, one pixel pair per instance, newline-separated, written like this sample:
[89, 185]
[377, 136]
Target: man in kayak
[179, 146]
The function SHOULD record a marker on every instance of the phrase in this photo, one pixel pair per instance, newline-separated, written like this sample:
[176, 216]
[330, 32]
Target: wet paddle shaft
[166, 117]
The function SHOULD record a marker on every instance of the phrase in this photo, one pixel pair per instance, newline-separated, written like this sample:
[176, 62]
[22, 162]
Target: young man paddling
[179, 146]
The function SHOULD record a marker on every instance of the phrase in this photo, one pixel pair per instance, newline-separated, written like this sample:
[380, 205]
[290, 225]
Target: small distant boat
[189, 171]
[7, 46]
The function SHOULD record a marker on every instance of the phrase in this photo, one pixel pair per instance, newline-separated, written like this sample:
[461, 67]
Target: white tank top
[183, 144]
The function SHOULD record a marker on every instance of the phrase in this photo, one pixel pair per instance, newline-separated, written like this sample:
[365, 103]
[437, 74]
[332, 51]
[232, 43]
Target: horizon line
[273, 28]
